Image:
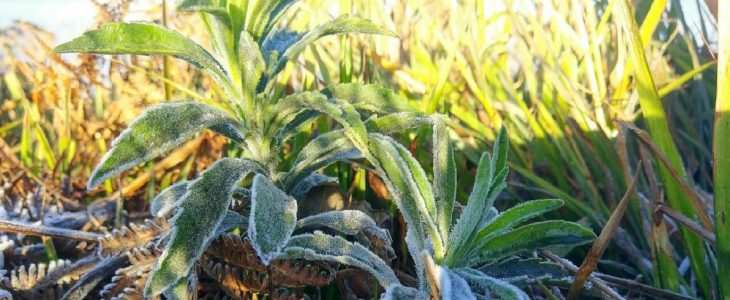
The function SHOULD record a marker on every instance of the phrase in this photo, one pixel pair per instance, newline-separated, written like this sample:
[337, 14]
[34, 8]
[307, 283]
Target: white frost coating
[414, 247]
[458, 288]
[320, 246]
[349, 222]
[158, 129]
[272, 219]
[487, 284]
[400, 292]
[397, 122]
[167, 200]
[416, 213]
[313, 180]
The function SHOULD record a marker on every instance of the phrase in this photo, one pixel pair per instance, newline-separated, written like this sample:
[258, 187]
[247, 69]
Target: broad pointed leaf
[251, 62]
[444, 177]
[272, 220]
[349, 222]
[400, 292]
[522, 271]
[342, 25]
[536, 236]
[406, 181]
[372, 98]
[202, 209]
[472, 214]
[144, 39]
[313, 180]
[320, 246]
[160, 129]
[167, 200]
[493, 286]
[208, 6]
[516, 215]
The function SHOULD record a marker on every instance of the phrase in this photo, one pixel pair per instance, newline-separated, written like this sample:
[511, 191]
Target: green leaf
[251, 62]
[167, 200]
[160, 129]
[407, 182]
[319, 246]
[183, 289]
[231, 221]
[207, 6]
[272, 220]
[144, 39]
[372, 98]
[313, 180]
[444, 177]
[525, 271]
[202, 210]
[516, 215]
[397, 122]
[342, 25]
[350, 222]
[473, 213]
[264, 15]
[536, 236]
[322, 151]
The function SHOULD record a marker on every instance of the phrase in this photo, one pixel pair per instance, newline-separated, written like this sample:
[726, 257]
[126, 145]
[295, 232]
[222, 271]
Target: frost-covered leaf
[230, 221]
[207, 6]
[349, 222]
[516, 215]
[400, 292]
[201, 211]
[251, 61]
[397, 122]
[277, 42]
[454, 286]
[159, 129]
[482, 283]
[183, 289]
[342, 25]
[320, 246]
[471, 215]
[489, 182]
[444, 176]
[318, 153]
[517, 270]
[272, 220]
[313, 180]
[535, 236]
[371, 98]
[166, 201]
[409, 186]
[264, 15]
[144, 39]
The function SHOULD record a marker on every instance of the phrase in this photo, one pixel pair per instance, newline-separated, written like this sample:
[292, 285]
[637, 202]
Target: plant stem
[29, 229]
[721, 152]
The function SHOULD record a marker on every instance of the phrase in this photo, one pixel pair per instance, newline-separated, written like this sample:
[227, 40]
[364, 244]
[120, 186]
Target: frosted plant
[247, 55]
[474, 257]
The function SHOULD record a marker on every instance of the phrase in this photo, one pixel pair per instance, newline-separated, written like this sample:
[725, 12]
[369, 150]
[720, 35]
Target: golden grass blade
[599, 246]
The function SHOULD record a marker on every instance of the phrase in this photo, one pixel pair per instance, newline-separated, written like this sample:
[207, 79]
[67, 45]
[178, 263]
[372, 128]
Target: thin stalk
[165, 58]
[721, 152]
[29, 229]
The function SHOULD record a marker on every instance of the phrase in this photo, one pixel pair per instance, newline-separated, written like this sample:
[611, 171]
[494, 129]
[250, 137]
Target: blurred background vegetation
[559, 74]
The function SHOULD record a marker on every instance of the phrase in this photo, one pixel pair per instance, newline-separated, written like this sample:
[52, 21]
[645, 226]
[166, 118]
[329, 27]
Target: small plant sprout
[475, 257]
[247, 54]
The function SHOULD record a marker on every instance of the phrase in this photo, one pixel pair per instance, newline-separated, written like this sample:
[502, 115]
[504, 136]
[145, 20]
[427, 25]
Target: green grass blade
[656, 119]
[721, 153]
